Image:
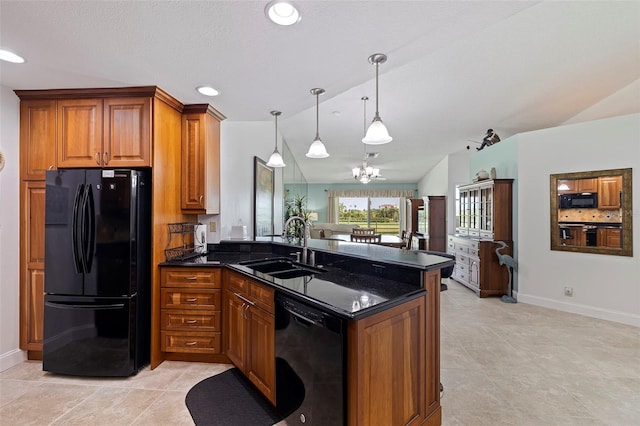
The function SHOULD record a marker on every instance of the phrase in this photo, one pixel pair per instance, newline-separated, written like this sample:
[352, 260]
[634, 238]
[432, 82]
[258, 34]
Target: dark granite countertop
[359, 279]
[596, 224]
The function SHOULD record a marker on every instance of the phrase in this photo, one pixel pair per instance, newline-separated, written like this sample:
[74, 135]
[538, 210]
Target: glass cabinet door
[486, 221]
[476, 212]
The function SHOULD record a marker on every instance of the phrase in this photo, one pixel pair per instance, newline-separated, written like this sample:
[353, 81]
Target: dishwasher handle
[304, 320]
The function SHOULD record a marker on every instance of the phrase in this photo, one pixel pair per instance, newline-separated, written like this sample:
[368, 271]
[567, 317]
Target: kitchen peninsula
[387, 298]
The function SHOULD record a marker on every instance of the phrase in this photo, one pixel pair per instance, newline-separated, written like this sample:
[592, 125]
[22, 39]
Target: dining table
[385, 240]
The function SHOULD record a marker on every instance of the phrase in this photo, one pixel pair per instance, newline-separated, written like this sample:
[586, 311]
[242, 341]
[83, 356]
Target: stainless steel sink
[282, 267]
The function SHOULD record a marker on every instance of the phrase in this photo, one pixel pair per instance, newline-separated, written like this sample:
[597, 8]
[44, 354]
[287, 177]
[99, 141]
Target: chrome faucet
[305, 250]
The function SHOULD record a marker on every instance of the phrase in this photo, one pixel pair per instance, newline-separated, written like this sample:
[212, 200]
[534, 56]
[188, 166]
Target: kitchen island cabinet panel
[386, 364]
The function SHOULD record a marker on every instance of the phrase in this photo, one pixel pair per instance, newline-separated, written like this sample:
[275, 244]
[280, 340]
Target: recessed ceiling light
[283, 13]
[5, 55]
[207, 91]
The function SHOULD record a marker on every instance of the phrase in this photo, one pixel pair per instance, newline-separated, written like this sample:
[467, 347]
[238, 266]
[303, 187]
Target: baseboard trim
[576, 308]
[12, 358]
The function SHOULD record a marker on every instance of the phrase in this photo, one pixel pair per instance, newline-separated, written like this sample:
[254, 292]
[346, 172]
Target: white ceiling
[454, 68]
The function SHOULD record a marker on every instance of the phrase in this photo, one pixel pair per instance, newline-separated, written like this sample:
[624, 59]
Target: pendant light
[276, 159]
[377, 134]
[317, 149]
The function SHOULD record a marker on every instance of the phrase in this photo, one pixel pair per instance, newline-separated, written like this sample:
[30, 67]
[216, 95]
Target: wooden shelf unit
[484, 215]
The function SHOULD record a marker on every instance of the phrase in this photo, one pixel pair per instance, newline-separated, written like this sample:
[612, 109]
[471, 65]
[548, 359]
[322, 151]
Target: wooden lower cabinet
[477, 265]
[191, 312]
[609, 237]
[394, 363]
[32, 211]
[250, 324]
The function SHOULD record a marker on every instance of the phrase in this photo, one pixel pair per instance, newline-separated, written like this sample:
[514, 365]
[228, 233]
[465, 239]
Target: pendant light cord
[377, 89]
[317, 115]
[276, 138]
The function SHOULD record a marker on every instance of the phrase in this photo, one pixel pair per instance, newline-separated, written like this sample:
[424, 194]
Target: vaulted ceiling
[454, 68]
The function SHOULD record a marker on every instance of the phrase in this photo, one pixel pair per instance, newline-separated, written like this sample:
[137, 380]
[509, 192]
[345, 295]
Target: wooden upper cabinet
[37, 138]
[573, 186]
[200, 188]
[110, 132]
[80, 133]
[609, 189]
[127, 132]
[588, 185]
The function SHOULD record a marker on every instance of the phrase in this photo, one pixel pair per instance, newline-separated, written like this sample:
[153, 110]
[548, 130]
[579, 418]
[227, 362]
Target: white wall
[239, 143]
[10, 355]
[603, 286]
[442, 179]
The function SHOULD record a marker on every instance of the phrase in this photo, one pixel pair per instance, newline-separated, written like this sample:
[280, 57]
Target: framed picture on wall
[263, 188]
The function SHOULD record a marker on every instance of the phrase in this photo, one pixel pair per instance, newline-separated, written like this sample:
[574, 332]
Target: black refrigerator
[97, 272]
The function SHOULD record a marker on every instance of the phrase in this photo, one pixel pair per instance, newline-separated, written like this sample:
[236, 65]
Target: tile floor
[502, 364]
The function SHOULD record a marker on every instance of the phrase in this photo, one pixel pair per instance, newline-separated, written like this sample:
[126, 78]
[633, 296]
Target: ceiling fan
[365, 173]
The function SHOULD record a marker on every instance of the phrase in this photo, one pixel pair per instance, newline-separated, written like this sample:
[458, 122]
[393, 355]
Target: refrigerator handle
[74, 229]
[84, 306]
[90, 237]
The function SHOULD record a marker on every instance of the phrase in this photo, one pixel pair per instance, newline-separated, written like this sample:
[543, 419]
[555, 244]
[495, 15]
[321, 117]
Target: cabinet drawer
[487, 235]
[191, 299]
[463, 267]
[262, 296]
[461, 248]
[191, 342]
[460, 275]
[190, 320]
[191, 277]
[473, 252]
[237, 283]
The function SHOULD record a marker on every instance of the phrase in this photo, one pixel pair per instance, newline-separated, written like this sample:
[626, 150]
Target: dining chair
[406, 240]
[363, 231]
[366, 238]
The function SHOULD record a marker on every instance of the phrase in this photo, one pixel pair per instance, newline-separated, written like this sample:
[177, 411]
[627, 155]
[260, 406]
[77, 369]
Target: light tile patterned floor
[502, 364]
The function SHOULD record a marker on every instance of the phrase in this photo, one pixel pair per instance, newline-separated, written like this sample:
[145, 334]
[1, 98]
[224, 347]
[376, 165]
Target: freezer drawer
[89, 336]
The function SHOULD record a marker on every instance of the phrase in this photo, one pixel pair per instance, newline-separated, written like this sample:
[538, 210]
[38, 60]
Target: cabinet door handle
[50, 167]
[193, 277]
[200, 200]
[244, 299]
[244, 313]
[190, 343]
[97, 158]
[191, 321]
[191, 299]
[105, 158]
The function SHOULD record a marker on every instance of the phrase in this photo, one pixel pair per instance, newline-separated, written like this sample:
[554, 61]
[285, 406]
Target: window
[381, 213]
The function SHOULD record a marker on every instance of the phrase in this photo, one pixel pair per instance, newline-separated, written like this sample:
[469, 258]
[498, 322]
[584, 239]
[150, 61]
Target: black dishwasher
[310, 363]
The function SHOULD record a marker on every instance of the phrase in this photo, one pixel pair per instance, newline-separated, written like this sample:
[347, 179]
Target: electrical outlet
[568, 291]
[212, 226]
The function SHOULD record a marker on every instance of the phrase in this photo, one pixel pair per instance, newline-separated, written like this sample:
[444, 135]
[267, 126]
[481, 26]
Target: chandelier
[365, 174]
